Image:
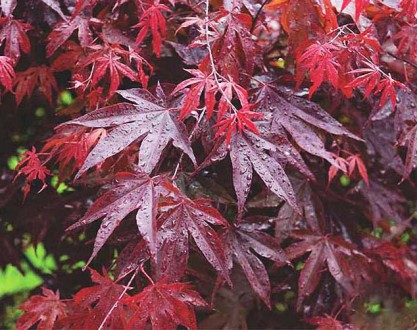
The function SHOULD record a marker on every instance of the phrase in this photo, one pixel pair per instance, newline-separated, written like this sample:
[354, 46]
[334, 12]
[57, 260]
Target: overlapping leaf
[65, 29]
[243, 244]
[324, 250]
[131, 191]
[302, 119]
[250, 152]
[182, 218]
[14, 31]
[156, 125]
[166, 306]
[43, 310]
[96, 302]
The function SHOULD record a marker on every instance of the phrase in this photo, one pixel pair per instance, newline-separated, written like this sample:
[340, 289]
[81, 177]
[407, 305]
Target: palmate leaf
[302, 119]
[91, 305]
[14, 32]
[40, 77]
[147, 119]
[166, 305]
[249, 152]
[62, 31]
[43, 310]
[181, 218]
[154, 21]
[131, 191]
[243, 244]
[332, 251]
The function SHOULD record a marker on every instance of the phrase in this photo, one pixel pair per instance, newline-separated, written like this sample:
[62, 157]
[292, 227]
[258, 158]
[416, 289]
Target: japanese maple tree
[189, 163]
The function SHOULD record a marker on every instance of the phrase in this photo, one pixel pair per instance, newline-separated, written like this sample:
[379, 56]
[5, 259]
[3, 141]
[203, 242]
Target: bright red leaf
[129, 192]
[40, 77]
[14, 32]
[409, 9]
[147, 119]
[360, 5]
[42, 310]
[321, 62]
[33, 169]
[154, 21]
[6, 72]
[97, 301]
[166, 306]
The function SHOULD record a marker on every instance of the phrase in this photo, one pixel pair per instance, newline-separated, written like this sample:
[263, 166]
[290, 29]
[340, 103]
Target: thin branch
[214, 72]
[402, 59]
[200, 118]
[257, 16]
[146, 274]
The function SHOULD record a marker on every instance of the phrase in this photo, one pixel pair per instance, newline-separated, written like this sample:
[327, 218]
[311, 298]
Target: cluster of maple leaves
[202, 159]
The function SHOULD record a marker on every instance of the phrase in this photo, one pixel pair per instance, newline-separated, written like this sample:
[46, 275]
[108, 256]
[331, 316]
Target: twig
[257, 16]
[200, 118]
[214, 72]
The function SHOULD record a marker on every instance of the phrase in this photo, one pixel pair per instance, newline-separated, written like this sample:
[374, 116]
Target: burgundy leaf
[145, 120]
[185, 217]
[14, 31]
[131, 191]
[243, 245]
[64, 30]
[45, 309]
[166, 306]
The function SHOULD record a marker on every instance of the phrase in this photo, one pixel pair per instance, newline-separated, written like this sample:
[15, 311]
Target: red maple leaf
[319, 59]
[243, 244]
[238, 122]
[6, 72]
[249, 152]
[153, 20]
[348, 166]
[70, 147]
[407, 40]
[96, 303]
[131, 191]
[355, 161]
[302, 119]
[227, 88]
[62, 31]
[14, 31]
[107, 67]
[148, 119]
[324, 249]
[387, 88]
[31, 167]
[360, 5]
[375, 81]
[43, 310]
[40, 77]
[180, 218]
[368, 78]
[409, 9]
[234, 49]
[200, 82]
[166, 305]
